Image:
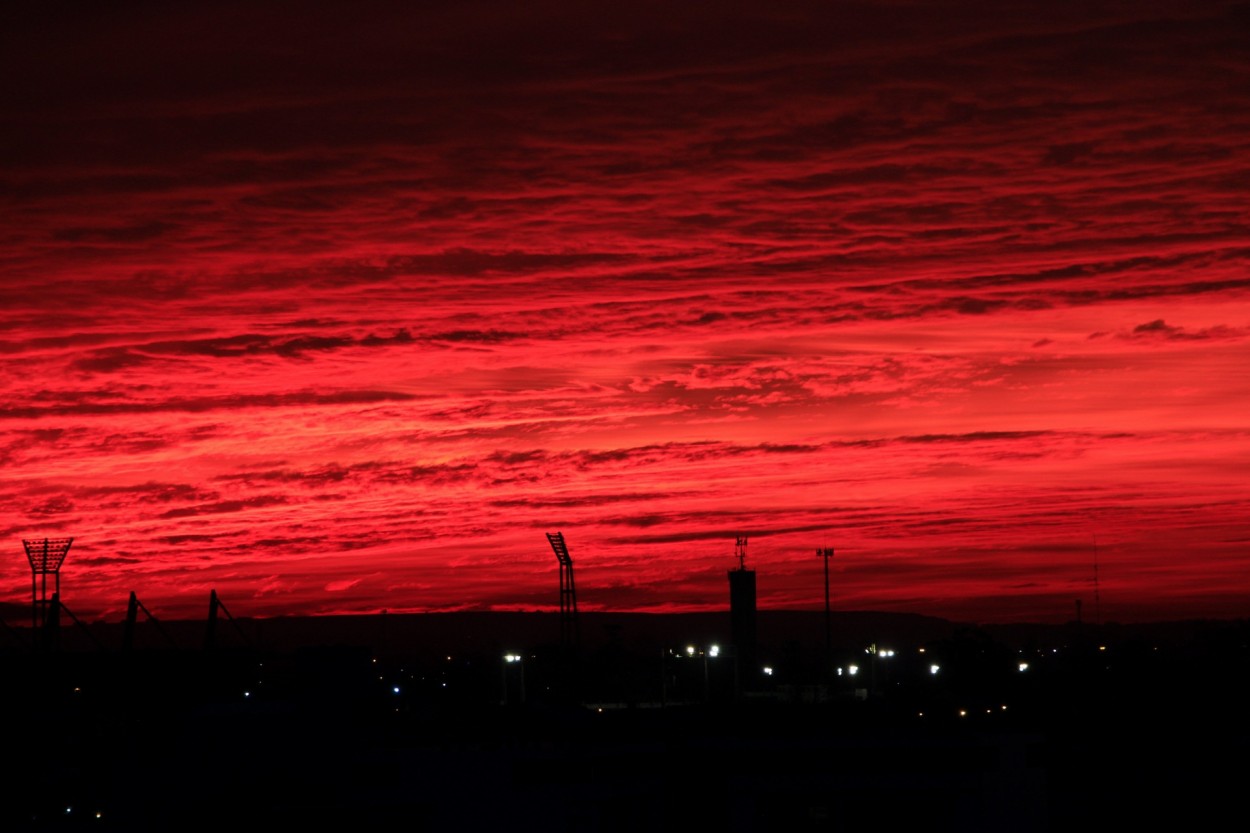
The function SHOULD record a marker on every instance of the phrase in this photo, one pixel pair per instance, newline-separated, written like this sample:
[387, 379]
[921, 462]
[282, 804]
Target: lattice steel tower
[568, 593]
[46, 556]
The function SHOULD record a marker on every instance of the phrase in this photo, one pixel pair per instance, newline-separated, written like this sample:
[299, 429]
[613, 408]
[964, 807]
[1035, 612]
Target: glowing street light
[518, 661]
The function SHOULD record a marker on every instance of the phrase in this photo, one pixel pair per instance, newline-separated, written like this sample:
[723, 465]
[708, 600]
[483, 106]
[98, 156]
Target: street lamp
[514, 660]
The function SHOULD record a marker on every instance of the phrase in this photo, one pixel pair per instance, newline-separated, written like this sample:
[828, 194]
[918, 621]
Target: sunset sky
[340, 308]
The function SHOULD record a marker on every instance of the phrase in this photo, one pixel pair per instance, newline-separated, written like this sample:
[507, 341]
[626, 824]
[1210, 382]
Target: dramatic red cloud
[341, 308]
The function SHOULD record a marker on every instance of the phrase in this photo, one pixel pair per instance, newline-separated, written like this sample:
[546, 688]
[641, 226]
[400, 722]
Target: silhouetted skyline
[340, 308]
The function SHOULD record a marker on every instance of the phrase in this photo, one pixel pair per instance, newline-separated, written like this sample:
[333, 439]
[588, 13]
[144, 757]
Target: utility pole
[826, 553]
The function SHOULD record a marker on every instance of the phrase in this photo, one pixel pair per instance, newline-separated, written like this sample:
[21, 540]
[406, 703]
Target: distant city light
[933, 669]
[768, 670]
[395, 689]
[512, 657]
[689, 650]
[713, 651]
[1024, 666]
[852, 670]
[963, 712]
[247, 694]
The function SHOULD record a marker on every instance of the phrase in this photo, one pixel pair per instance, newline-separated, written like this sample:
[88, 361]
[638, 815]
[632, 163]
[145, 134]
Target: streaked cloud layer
[341, 308]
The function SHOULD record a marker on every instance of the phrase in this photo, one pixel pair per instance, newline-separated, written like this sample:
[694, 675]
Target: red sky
[341, 308]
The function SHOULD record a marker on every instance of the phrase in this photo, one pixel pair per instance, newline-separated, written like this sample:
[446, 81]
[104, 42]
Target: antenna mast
[1097, 607]
[826, 553]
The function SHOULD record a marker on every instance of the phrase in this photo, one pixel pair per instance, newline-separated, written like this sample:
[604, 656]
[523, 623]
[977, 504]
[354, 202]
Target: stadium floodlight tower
[568, 593]
[46, 556]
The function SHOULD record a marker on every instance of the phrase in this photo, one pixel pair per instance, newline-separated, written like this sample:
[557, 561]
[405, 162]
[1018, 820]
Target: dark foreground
[1090, 736]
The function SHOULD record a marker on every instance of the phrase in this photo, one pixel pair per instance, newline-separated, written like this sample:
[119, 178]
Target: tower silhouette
[742, 614]
[568, 592]
[46, 556]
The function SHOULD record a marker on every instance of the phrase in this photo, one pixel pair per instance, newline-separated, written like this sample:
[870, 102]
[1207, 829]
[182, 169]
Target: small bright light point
[839, 672]
[1102, 647]
[512, 657]
[99, 815]
[1003, 707]
[714, 651]
[852, 670]
[963, 712]
[69, 809]
[247, 694]
[768, 671]
[689, 650]
[395, 689]
[920, 714]
[933, 669]
[1024, 666]
[922, 650]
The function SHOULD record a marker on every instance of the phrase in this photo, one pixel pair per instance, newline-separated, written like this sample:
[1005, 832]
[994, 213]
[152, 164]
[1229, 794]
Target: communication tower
[742, 613]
